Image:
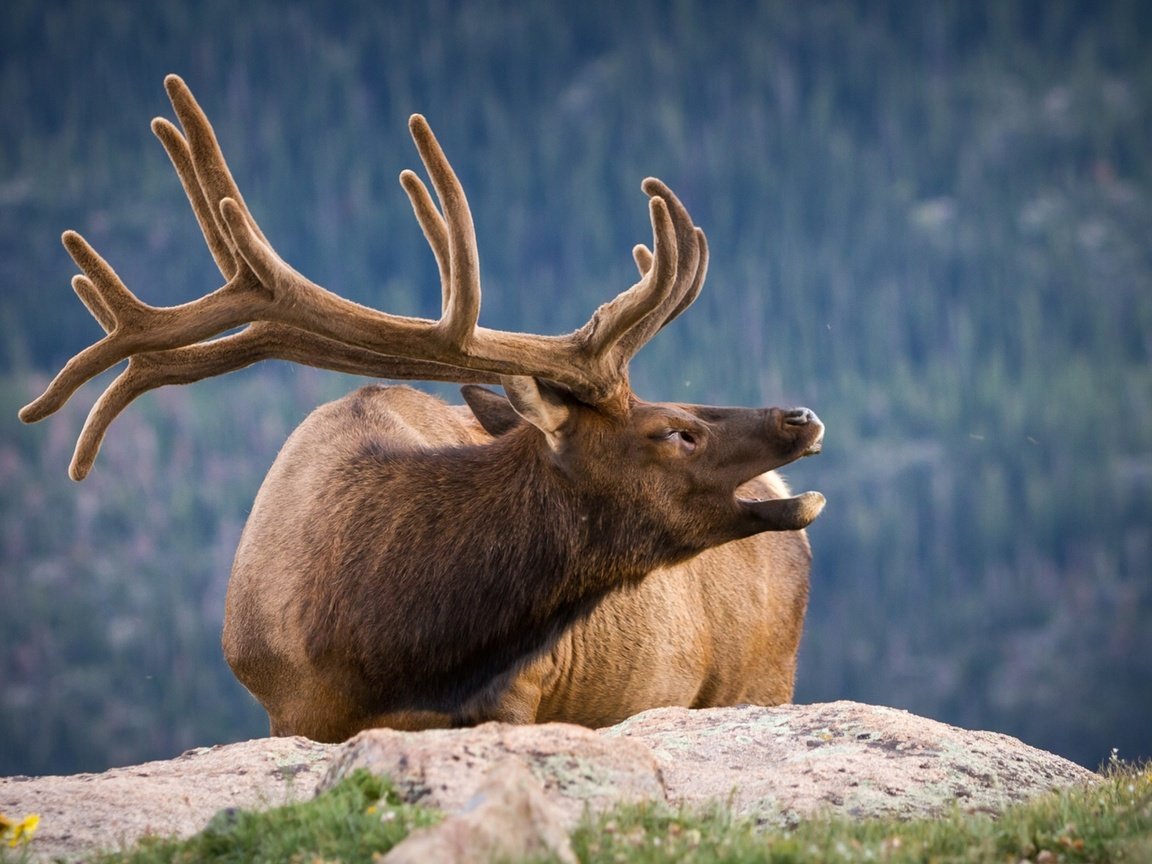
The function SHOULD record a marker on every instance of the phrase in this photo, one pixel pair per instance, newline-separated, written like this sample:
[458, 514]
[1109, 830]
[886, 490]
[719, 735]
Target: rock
[783, 764]
[777, 765]
[83, 813]
[509, 819]
[444, 768]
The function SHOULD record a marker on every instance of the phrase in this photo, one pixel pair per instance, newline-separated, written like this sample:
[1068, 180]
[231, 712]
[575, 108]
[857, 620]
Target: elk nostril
[799, 417]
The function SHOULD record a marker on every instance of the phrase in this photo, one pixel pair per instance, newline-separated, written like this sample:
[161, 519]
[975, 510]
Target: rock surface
[509, 819]
[777, 765]
[82, 813]
[444, 768]
[780, 765]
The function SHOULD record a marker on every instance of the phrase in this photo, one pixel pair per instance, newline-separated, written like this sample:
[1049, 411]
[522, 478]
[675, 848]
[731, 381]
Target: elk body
[569, 552]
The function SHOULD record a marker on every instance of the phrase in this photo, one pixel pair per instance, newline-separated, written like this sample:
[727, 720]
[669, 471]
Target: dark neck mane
[454, 566]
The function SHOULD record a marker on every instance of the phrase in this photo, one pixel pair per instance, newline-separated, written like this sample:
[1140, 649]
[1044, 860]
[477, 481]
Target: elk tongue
[787, 514]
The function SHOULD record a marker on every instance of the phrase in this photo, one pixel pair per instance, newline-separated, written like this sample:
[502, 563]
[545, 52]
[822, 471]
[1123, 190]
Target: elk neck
[456, 565]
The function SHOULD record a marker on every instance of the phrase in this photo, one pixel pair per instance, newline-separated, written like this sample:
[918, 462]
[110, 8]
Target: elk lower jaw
[785, 514]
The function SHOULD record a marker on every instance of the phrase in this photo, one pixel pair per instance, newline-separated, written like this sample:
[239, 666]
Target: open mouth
[795, 512]
[786, 514]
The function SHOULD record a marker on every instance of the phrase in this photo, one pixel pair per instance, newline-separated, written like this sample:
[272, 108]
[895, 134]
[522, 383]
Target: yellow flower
[18, 832]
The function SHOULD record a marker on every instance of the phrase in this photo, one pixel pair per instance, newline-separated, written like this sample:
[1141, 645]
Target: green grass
[1110, 822]
[350, 822]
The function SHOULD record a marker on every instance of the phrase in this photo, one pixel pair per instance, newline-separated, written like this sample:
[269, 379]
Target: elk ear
[493, 411]
[544, 406]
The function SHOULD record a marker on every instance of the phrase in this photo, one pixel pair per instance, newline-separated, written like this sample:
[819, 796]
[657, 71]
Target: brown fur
[722, 628]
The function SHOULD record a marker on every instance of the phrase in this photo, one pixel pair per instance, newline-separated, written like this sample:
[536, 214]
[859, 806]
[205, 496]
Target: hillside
[929, 223]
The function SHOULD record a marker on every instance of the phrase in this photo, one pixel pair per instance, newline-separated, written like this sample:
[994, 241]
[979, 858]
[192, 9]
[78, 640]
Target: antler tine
[93, 302]
[697, 283]
[681, 280]
[128, 385]
[435, 231]
[180, 154]
[643, 258]
[642, 255]
[209, 167]
[691, 266]
[461, 292]
[624, 314]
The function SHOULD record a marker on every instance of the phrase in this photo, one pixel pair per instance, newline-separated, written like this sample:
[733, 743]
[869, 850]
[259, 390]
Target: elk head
[687, 462]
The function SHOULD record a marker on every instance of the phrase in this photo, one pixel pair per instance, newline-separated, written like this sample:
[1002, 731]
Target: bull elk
[563, 552]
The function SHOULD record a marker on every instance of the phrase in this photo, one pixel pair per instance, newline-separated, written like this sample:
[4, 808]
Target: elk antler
[294, 319]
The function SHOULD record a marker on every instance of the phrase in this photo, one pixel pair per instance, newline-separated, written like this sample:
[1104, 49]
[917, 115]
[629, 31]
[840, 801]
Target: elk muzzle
[802, 434]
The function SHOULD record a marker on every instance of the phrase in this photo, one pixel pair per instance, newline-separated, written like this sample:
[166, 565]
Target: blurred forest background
[930, 222]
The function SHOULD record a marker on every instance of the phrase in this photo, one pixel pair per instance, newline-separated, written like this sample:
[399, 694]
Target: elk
[566, 551]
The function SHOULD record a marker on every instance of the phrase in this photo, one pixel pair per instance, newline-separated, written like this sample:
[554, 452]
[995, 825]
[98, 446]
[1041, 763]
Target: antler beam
[295, 319]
